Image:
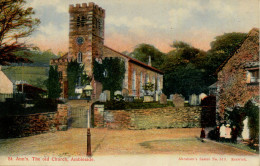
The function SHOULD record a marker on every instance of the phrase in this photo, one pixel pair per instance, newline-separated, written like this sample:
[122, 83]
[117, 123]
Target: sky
[156, 22]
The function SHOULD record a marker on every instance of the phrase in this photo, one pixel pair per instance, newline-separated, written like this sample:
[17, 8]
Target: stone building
[86, 45]
[238, 76]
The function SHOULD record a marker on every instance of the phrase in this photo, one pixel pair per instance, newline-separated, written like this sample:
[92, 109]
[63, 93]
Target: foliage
[238, 115]
[252, 112]
[39, 58]
[143, 51]
[74, 71]
[32, 75]
[222, 47]
[184, 70]
[16, 22]
[149, 86]
[53, 83]
[110, 73]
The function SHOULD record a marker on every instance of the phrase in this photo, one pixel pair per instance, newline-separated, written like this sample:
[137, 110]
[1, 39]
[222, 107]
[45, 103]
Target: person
[228, 133]
[222, 132]
[202, 134]
[234, 134]
[217, 133]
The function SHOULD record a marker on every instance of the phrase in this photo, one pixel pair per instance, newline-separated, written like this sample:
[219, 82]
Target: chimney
[149, 61]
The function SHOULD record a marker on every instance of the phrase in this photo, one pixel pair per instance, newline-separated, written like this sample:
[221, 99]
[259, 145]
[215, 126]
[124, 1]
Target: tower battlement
[87, 7]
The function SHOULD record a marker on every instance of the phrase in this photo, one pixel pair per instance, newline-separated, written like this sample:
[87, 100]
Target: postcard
[112, 82]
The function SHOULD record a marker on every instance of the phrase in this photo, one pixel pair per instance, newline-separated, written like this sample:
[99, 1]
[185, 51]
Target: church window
[141, 81]
[134, 82]
[79, 59]
[78, 21]
[146, 78]
[79, 81]
[83, 21]
[158, 83]
[60, 74]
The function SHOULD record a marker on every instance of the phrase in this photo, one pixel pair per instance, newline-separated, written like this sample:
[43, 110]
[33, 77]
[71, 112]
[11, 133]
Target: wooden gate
[79, 117]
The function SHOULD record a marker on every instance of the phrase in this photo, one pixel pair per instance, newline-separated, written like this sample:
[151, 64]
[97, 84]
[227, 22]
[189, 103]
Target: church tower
[86, 34]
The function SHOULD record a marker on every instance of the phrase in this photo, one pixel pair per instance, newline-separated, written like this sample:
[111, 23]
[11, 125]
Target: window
[134, 83]
[79, 81]
[158, 83]
[146, 78]
[78, 21]
[60, 74]
[141, 81]
[79, 59]
[83, 21]
[153, 82]
[134, 80]
[252, 76]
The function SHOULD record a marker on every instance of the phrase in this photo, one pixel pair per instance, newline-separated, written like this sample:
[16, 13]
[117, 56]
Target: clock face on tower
[80, 40]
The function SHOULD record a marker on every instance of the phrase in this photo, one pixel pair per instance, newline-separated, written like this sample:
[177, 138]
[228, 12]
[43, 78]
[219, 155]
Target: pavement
[105, 142]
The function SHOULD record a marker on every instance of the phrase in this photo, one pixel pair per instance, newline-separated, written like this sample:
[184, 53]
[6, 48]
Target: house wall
[232, 82]
[6, 86]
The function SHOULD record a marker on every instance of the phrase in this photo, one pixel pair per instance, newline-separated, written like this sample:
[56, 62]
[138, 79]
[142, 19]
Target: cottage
[86, 45]
[238, 76]
[6, 86]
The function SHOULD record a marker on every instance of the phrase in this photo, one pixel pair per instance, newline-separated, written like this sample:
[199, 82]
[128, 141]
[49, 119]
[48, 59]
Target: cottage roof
[253, 32]
[135, 61]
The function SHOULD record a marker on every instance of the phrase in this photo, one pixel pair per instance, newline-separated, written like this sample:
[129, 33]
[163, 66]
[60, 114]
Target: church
[86, 45]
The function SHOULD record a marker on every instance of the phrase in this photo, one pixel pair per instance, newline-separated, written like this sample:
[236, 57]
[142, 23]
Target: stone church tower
[86, 34]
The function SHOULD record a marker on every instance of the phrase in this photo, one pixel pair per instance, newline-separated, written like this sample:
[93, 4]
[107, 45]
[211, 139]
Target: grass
[32, 75]
[241, 146]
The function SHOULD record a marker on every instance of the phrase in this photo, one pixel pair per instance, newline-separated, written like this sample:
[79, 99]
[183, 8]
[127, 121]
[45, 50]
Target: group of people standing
[223, 133]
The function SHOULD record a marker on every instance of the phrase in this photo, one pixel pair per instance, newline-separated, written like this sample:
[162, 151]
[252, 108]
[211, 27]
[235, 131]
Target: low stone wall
[32, 124]
[168, 117]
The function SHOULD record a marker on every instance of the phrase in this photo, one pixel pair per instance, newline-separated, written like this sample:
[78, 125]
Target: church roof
[136, 61]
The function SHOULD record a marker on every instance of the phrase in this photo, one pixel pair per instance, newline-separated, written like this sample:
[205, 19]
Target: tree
[184, 70]
[16, 22]
[76, 76]
[222, 47]
[143, 51]
[53, 83]
[110, 73]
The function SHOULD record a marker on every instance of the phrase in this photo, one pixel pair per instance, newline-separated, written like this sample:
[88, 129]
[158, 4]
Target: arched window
[79, 59]
[78, 21]
[158, 83]
[83, 21]
[141, 81]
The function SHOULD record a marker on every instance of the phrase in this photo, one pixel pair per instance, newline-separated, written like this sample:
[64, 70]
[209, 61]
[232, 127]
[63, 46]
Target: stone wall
[168, 117]
[234, 90]
[32, 124]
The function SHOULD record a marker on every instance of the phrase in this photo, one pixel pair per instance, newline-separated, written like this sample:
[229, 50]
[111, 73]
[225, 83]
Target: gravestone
[201, 97]
[163, 99]
[102, 97]
[171, 96]
[118, 92]
[194, 99]
[125, 92]
[148, 98]
[245, 132]
[107, 92]
[156, 96]
[178, 100]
